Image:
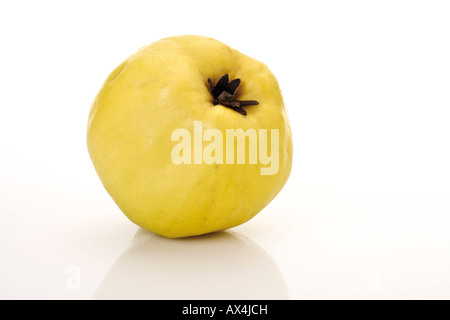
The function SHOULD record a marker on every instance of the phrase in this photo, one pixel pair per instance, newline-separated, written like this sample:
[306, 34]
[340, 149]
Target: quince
[190, 136]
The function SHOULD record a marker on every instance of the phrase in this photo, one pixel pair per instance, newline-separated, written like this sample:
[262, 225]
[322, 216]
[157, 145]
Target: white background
[364, 215]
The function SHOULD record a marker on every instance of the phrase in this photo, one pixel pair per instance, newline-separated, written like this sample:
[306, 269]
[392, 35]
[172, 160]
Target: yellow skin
[161, 88]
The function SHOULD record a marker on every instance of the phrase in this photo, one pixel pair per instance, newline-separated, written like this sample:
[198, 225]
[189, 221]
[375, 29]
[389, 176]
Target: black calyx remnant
[223, 93]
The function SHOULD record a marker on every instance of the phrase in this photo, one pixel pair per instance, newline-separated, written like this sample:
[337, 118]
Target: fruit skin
[161, 88]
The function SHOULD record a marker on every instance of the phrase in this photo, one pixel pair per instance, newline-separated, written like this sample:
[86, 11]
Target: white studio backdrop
[366, 211]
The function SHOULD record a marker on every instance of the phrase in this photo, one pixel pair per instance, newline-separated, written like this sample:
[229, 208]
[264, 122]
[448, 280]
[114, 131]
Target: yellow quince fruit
[190, 136]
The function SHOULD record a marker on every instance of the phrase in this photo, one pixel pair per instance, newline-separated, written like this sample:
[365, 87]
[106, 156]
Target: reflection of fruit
[222, 265]
[167, 86]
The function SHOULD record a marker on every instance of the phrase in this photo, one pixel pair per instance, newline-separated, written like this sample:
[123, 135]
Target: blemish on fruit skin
[164, 85]
[116, 73]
